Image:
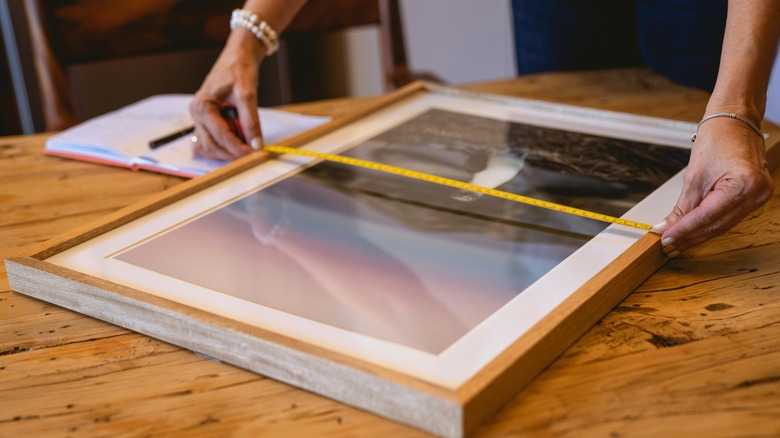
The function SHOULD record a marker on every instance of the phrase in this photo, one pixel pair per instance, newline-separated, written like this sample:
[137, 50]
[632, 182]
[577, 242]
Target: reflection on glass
[403, 260]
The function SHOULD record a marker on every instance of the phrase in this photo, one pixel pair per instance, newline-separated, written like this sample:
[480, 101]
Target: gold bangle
[741, 118]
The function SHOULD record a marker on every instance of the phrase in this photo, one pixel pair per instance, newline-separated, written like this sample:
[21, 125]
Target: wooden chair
[66, 33]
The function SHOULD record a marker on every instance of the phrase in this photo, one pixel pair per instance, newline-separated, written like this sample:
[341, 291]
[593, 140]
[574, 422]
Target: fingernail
[256, 143]
[668, 247]
[657, 228]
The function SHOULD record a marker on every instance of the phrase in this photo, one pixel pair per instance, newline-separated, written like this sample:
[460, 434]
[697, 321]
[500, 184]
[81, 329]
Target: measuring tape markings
[456, 184]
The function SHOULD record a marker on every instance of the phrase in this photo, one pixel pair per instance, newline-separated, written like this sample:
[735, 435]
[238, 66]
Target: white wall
[458, 41]
[365, 75]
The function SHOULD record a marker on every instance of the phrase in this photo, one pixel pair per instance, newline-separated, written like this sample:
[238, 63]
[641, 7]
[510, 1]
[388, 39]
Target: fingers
[733, 198]
[249, 120]
[215, 138]
[200, 141]
[713, 217]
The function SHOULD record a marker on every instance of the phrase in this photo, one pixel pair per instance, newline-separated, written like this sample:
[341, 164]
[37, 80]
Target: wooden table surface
[695, 350]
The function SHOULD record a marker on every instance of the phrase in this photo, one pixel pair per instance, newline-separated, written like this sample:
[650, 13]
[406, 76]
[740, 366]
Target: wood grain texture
[693, 351]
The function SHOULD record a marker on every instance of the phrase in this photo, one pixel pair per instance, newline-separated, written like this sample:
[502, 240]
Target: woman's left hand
[727, 178]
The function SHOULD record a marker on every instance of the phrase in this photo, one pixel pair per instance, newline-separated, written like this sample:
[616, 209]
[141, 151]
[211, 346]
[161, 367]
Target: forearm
[277, 13]
[749, 48]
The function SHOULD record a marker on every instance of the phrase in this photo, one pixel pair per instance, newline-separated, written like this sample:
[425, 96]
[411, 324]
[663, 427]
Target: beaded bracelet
[259, 28]
[741, 118]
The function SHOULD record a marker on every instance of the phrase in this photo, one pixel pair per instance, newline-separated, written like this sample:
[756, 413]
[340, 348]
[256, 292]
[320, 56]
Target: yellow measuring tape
[454, 183]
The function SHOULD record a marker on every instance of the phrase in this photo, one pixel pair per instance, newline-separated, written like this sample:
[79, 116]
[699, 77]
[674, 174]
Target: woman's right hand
[232, 81]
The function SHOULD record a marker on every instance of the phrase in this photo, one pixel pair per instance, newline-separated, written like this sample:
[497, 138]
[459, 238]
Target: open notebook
[121, 137]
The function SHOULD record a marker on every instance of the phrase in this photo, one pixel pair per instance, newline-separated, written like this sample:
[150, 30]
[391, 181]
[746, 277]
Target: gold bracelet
[259, 28]
[741, 118]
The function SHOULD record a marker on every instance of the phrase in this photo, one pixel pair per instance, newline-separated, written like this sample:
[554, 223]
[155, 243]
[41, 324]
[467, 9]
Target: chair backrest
[64, 33]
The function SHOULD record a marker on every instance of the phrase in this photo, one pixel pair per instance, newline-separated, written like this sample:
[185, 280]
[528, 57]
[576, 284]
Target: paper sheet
[277, 126]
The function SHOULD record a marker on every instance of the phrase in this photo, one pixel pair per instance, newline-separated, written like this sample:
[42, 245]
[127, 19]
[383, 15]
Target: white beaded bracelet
[741, 118]
[259, 28]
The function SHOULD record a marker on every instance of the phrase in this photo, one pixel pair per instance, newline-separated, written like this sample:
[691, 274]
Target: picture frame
[447, 390]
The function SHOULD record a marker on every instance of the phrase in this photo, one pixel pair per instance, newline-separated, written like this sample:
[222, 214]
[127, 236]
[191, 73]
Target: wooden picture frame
[413, 397]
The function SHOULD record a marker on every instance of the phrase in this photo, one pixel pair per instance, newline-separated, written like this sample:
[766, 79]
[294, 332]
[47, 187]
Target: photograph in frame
[485, 347]
[408, 261]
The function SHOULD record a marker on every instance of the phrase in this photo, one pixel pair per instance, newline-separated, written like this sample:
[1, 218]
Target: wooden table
[694, 350]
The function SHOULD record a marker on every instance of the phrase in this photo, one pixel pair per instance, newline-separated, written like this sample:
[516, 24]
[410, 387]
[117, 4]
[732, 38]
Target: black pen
[154, 144]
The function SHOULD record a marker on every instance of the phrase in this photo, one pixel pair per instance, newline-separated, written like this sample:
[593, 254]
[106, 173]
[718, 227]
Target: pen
[154, 144]
[230, 114]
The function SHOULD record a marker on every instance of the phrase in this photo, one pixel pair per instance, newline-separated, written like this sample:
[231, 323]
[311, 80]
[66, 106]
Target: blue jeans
[680, 39]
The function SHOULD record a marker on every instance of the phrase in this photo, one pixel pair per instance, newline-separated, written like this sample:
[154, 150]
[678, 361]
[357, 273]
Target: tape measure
[454, 183]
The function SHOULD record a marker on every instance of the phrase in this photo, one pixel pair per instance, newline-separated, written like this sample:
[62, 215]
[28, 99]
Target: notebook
[122, 137]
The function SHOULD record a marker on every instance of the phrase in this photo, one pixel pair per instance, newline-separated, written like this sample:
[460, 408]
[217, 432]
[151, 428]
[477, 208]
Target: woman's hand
[727, 178]
[232, 81]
